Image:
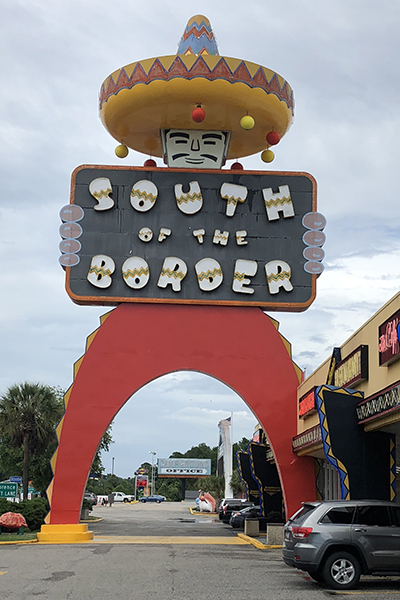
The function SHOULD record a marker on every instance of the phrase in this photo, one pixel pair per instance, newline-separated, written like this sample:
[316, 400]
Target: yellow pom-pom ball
[267, 156]
[121, 151]
[247, 122]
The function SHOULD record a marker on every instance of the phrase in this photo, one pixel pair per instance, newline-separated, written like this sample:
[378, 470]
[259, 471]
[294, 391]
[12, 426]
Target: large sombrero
[140, 99]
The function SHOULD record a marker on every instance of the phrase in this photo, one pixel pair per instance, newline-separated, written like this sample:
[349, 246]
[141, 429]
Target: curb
[203, 514]
[257, 543]
[92, 520]
[18, 542]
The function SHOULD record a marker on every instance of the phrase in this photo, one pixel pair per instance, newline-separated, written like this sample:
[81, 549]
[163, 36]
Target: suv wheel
[341, 571]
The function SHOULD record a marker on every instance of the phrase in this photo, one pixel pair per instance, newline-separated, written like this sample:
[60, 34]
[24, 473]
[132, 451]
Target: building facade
[349, 413]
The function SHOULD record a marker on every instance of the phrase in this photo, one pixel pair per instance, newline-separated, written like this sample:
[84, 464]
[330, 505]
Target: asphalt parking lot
[164, 519]
[152, 551]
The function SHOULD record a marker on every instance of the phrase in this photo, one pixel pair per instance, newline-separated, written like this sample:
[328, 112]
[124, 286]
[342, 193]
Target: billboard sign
[389, 345]
[16, 479]
[183, 467]
[353, 369]
[249, 238]
[307, 404]
[8, 490]
[141, 481]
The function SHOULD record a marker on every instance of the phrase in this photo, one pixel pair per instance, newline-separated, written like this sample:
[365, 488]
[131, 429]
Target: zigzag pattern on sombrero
[198, 37]
[141, 98]
[190, 66]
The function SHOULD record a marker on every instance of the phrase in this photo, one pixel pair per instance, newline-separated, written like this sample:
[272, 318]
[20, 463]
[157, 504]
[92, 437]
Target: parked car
[91, 497]
[233, 506]
[238, 517]
[121, 497]
[225, 501]
[153, 498]
[337, 541]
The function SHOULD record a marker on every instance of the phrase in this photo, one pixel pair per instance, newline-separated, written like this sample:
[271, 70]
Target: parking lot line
[206, 540]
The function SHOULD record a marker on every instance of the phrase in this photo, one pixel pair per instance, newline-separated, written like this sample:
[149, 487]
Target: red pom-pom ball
[149, 163]
[236, 166]
[273, 138]
[198, 114]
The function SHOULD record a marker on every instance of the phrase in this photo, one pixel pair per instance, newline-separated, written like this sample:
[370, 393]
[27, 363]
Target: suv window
[340, 515]
[395, 510]
[301, 514]
[373, 516]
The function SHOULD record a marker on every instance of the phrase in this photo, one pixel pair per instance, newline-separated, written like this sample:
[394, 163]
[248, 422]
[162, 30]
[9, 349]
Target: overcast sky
[341, 59]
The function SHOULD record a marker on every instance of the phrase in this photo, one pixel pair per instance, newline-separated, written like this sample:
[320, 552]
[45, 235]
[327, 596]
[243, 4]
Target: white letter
[172, 273]
[274, 203]
[278, 275]
[240, 235]
[100, 271]
[164, 233]
[209, 274]
[135, 272]
[191, 202]
[145, 234]
[220, 238]
[101, 189]
[144, 195]
[199, 233]
[242, 268]
[234, 194]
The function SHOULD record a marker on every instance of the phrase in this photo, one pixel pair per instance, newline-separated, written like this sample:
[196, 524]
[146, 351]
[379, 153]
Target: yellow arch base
[64, 534]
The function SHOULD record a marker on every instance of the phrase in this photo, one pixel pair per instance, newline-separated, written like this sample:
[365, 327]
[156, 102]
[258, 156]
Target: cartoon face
[195, 149]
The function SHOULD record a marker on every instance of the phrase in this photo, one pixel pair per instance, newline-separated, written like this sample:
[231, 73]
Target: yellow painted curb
[92, 520]
[257, 543]
[214, 541]
[64, 534]
[203, 514]
[198, 541]
[19, 542]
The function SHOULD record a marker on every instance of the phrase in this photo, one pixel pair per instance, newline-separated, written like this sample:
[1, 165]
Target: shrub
[33, 510]
[87, 504]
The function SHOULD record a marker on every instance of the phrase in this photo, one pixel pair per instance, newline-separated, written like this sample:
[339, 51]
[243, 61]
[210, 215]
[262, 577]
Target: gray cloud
[341, 60]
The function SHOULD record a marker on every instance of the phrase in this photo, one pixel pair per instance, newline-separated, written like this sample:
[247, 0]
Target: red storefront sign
[389, 347]
[307, 403]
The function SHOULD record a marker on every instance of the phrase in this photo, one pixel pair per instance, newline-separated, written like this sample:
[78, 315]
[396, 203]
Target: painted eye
[181, 141]
[209, 142]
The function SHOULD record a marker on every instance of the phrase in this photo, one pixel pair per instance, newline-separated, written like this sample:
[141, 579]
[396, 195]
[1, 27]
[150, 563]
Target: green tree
[97, 466]
[237, 484]
[29, 413]
[239, 446]
[200, 451]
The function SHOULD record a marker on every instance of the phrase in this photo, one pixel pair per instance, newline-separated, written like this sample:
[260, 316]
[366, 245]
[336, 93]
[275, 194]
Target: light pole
[112, 467]
[152, 470]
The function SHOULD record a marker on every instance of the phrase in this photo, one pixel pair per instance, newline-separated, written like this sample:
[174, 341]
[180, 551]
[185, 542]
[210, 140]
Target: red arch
[136, 344]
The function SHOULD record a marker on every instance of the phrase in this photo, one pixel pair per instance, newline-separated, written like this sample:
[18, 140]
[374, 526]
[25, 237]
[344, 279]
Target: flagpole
[232, 442]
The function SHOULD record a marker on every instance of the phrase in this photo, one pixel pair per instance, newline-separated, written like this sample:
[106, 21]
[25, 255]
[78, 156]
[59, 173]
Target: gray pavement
[161, 571]
[164, 519]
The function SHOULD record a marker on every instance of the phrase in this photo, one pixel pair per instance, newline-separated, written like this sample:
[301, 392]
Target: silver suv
[339, 540]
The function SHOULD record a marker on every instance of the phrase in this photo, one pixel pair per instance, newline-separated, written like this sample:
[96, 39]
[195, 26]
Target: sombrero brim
[160, 93]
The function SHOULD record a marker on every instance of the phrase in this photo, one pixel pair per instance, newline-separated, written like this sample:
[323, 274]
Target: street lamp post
[152, 470]
[112, 466]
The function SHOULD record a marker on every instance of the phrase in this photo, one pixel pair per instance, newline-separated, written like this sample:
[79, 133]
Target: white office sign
[183, 467]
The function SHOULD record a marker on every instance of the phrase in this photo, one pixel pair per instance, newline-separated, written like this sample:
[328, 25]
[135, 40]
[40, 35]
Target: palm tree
[29, 413]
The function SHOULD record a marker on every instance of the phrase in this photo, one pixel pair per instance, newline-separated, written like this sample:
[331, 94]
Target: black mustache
[182, 154]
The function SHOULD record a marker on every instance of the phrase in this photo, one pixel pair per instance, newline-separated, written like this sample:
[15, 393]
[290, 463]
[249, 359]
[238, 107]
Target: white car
[121, 497]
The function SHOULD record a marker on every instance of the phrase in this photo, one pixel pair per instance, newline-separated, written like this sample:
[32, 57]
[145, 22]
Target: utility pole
[153, 454]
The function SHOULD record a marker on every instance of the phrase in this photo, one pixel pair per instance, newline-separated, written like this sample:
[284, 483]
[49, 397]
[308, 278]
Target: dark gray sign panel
[133, 234]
